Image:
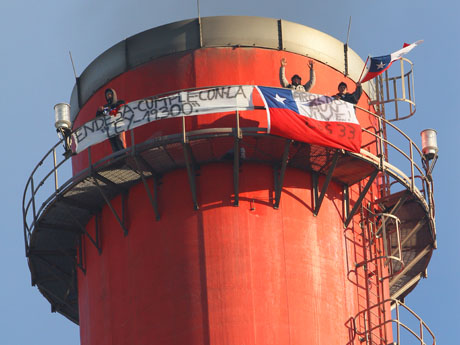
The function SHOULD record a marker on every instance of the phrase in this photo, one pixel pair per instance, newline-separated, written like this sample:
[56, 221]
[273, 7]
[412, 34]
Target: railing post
[56, 185]
[412, 178]
[33, 199]
[403, 86]
[132, 138]
[398, 330]
[380, 138]
[421, 332]
[184, 134]
[89, 157]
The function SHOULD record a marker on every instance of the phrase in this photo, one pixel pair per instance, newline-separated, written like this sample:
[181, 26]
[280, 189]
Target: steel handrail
[28, 227]
[410, 157]
[388, 254]
[383, 99]
[30, 182]
[369, 332]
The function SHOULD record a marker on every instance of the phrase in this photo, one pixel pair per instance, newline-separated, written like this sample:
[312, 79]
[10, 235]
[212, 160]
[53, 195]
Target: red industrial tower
[210, 228]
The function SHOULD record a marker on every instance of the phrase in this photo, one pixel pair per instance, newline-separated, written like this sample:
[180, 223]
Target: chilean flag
[311, 118]
[381, 63]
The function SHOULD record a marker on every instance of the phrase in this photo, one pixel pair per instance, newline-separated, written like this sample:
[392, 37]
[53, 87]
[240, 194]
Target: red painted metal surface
[210, 67]
[223, 274]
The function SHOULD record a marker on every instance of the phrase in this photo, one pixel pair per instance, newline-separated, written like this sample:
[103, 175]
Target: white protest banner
[141, 112]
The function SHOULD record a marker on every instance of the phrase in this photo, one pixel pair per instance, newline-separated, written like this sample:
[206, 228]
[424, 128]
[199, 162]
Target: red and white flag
[380, 64]
[313, 119]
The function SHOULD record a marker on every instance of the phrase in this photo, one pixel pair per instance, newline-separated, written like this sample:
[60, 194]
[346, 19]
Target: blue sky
[36, 74]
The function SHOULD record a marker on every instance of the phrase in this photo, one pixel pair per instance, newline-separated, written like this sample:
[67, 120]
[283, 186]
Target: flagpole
[365, 64]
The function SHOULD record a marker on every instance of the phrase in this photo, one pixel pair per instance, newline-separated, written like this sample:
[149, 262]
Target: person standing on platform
[111, 108]
[296, 81]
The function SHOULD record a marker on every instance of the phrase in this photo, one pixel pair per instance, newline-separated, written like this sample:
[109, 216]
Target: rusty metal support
[189, 163]
[108, 182]
[81, 264]
[360, 198]
[109, 204]
[152, 198]
[279, 176]
[397, 206]
[346, 201]
[82, 229]
[190, 173]
[90, 208]
[407, 286]
[411, 264]
[61, 300]
[319, 199]
[414, 230]
[314, 182]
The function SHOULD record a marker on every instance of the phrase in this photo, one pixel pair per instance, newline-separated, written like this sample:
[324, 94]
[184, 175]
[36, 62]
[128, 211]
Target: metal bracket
[53, 270]
[360, 198]
[112, 184]
[77, 204]
[396, 207]
[109, 204]
[82, 262]
[279, 175]
[411, 264]
[152, 198]
[63, 302]
[318, 200]
[414, 230]
[346, 201]
[190, 172]
[82, 229]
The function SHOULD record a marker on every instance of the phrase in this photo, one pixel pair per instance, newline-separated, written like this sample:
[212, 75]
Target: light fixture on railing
[64, 126]
[429, 149]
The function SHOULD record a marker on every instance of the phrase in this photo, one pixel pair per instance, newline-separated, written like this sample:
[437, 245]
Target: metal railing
[401, 334]
[391, 238]
[414, 179]
[398, 90]
[49, 167]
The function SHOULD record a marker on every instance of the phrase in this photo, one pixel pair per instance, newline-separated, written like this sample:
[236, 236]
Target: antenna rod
[364, 67]
[199, 23]
[348, 34]
[345, 49]
[73, 66]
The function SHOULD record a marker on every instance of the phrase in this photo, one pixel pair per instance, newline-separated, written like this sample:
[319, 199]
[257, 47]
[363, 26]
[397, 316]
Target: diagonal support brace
[319, 200]
[279, 178]
[109, 204]
[152, 198]
[190, 172]
[95, 241]
[360, 198]
[396, 207]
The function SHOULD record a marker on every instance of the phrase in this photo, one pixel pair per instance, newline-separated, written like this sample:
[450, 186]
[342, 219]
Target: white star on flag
[280, 99]
[380, 65]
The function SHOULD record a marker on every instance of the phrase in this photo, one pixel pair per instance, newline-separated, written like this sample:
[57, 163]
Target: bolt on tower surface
[209, 228]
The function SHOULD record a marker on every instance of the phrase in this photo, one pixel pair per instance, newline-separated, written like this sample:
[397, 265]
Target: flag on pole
[380, 64]
[313, 119]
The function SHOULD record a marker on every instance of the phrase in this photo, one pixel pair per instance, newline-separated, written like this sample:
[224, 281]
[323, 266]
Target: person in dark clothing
[66, 134]
[111, 108]
[349, 97]
[296, 81]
